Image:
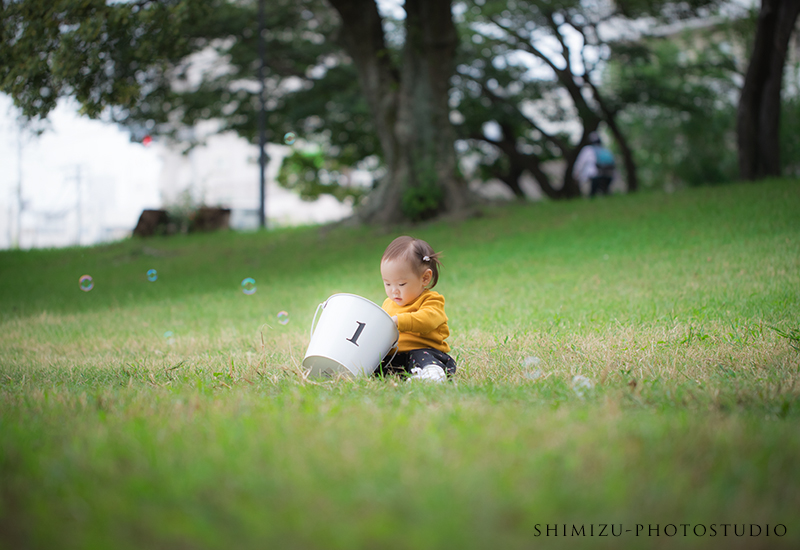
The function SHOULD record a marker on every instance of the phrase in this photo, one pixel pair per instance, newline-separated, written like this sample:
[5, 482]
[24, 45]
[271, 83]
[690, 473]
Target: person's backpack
[604, 159]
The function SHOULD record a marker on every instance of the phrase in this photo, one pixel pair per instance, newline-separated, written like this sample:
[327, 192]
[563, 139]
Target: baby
[410, 268]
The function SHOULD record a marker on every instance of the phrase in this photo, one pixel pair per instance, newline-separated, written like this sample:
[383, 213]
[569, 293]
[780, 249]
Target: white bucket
[352, 337]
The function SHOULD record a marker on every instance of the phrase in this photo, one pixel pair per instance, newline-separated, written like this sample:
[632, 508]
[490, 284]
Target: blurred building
[224, 172]
[83, 182]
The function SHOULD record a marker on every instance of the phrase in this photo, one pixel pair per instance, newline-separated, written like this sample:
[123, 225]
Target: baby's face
[402, 283]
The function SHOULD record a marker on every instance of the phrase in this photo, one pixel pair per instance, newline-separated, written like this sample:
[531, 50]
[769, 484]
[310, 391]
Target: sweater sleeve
[428, 318]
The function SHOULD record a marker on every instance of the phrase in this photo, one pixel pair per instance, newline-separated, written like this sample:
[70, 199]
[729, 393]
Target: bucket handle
[396, 343]
[314, 320]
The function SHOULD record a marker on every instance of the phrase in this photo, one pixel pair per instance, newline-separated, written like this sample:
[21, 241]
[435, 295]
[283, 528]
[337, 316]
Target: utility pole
[262, 155]
[20, 204]
[79, 204]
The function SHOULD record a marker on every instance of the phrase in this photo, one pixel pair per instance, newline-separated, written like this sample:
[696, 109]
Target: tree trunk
[410, 108]
[519, 162]
[632, 176]
[610, 117]
[758, 117]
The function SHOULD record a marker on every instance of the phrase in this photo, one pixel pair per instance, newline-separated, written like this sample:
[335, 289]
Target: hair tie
[426, 258]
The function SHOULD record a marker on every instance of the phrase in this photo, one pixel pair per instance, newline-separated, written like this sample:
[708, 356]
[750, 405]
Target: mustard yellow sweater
[422, 323]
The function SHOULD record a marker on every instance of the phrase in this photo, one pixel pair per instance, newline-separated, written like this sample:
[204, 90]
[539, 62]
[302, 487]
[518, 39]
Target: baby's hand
[394, 318]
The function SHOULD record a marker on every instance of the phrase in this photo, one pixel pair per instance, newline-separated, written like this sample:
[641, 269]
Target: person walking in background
[595, 165]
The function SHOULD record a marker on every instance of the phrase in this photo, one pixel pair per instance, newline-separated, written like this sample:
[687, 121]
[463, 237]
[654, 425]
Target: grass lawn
[174, 413]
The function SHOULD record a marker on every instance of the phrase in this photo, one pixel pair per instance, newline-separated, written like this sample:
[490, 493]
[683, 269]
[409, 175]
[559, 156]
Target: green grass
[683, 310]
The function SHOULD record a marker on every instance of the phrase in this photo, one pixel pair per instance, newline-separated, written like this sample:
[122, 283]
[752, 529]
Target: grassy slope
[113, 435]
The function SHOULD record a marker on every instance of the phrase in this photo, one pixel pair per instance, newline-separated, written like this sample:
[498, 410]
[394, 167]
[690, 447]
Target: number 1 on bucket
[357, 333]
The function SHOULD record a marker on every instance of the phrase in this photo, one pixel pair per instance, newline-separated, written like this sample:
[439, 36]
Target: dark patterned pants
[404, 361]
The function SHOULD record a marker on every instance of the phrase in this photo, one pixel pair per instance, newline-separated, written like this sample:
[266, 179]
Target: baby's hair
[417, 253]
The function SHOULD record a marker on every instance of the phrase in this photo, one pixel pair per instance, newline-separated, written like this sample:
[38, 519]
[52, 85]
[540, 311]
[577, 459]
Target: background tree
[559, 43]
[369, 98]
[363, 90]
[758, 122]
[312, 92]
[105, 56]
[680, 92]
[490, 99]
[218, 82]
[183, 69]
[133, 63]
[409, 104]
[538, 70]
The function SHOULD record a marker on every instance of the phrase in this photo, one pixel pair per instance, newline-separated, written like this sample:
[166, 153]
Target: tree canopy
[509, 81]
[105, 55]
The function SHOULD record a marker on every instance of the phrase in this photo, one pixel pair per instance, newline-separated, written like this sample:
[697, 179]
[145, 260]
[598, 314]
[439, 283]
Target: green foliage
[512, 74]
[105, 55]
[680, 100]
[682, 150]
[312, 173]
[422, 198]
[300, 69]
[487, 90]
[509, 75]
[332, 113]
[668, 10]
[131, 62]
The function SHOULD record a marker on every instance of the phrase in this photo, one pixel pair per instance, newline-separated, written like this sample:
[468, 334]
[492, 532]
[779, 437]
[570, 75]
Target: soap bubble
[531, 361]
[152, 275]
[534, 374]
[283, 317]
[249, 286]
[530, 365]
[289, 138]
[581, 385]
[169, 337]
[86, 283]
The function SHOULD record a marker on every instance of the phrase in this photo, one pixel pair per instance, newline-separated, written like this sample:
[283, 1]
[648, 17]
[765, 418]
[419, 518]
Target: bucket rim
[354, 296]
[389, 317]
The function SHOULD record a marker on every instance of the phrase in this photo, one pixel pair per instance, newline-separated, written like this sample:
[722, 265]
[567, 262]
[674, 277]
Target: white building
[82, 182]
